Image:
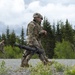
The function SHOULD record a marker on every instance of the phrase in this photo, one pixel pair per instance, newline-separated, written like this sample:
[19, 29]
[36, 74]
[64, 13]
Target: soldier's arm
[31, 29]
[42, 31]
[2, 42]
[31, 35]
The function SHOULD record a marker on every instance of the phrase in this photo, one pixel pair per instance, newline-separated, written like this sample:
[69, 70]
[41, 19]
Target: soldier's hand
[2, 42]
[44, 31]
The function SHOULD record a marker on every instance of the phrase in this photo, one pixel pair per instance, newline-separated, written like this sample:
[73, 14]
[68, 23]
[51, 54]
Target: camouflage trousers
[28, 54]
[2, 46]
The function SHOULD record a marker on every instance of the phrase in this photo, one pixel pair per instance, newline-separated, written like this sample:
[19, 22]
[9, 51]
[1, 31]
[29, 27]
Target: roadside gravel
[15, 69]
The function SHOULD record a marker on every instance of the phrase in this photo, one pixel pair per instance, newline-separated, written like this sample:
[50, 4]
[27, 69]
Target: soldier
[2, 46]
[34, 31]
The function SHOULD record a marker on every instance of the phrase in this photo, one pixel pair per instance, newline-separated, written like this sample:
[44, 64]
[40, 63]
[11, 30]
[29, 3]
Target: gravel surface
[14, 64]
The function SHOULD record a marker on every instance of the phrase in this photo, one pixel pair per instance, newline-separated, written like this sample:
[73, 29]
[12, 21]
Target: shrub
[59, 67]
[70, 71]
[12, 52]
[41, 69]
[3, 68]
[64, 50]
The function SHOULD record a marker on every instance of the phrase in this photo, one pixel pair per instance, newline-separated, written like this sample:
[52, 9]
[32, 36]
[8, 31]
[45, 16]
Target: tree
[12, 38]
[22, 36]
[54, 29]
[48, 41]
[67, 32]
[58, 33]
[7, 36]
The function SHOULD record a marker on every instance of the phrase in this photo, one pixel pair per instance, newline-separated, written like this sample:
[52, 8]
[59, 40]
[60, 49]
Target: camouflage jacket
[33, 31]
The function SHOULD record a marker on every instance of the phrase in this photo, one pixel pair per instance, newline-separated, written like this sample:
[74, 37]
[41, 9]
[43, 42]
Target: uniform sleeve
[30, 29]
[41, 30]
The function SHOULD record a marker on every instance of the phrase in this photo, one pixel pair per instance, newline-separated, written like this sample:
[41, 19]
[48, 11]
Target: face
[39, 19]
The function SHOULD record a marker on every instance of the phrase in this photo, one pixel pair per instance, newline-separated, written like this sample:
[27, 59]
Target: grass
[3, 68]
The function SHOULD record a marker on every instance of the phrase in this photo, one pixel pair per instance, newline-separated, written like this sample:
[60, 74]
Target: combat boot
[24, 62]
[24, 65]
[45, 63]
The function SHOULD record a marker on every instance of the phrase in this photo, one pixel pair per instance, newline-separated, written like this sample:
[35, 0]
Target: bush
[64, 50]
[41, 69]
[70, 71]
[3, 69]
[12, 52]
[59, 67]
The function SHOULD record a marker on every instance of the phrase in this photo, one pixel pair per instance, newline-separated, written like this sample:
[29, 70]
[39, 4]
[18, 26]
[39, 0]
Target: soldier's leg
[26, 60]
[43, 54]
[26, 53]
[29, 57]
[42, 59]
[45, 57]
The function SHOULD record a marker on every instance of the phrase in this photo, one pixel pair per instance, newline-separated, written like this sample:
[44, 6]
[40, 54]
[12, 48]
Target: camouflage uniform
[34, 31]
[2, 46]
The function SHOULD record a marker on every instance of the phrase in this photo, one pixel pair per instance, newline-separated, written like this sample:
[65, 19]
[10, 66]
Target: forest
[59, 43]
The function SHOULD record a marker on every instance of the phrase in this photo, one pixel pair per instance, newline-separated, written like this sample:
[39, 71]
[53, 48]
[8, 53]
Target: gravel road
[15, 64]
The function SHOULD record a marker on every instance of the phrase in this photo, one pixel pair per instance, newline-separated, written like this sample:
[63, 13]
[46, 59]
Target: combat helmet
[37, 15]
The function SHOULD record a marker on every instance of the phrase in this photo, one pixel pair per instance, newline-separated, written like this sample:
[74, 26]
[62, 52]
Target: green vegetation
[40, 69]
[53, 69]
[70, 71]
[64, 50]
[59, 67]
[58, 43]
[11, 52]
[3, 68]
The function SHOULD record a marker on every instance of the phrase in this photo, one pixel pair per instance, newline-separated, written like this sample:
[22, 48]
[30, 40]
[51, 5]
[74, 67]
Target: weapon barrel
[25, 47]
[29, 48]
